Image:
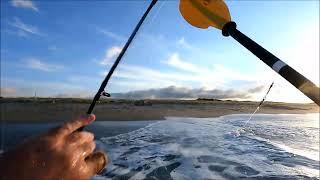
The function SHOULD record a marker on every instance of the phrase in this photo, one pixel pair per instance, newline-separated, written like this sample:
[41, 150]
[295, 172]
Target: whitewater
[269, 146]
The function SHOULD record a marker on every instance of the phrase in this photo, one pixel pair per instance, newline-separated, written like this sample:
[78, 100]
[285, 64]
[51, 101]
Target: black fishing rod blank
[295, 78]
[117, 61]
[207, 13]
[104, 83]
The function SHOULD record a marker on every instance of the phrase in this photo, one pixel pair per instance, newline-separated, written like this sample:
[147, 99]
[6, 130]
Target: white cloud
[175, 61]
[131, 77]
[111, 53]
[24, 29]
[189, 93]
[134, 77]
[144, 73]
[111, 34]
[37, 64]
[209, 77]
[24, 4]
[194, 73]
[183, 43]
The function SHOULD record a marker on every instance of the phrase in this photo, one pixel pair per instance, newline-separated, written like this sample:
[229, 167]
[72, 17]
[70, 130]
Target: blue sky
[64, 48]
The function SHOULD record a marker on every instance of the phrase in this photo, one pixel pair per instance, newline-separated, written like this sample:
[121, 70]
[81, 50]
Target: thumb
[96, 162]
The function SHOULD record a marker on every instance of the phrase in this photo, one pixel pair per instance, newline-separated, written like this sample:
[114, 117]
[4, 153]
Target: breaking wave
[270, 146]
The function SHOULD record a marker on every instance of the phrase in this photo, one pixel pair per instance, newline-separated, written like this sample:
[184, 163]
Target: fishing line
[149, 23]
[260, 104]
[157, 12]
[237, 132]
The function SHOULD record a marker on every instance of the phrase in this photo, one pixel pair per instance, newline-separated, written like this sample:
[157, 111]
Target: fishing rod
[215, 13]
[295, 78]
[242, 128]
[261, 102]
[104, 83]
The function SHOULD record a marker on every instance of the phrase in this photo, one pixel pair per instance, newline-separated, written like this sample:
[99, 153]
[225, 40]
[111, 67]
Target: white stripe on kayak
[277, 66]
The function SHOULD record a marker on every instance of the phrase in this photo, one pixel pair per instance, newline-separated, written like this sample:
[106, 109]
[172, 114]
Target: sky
[65, 48]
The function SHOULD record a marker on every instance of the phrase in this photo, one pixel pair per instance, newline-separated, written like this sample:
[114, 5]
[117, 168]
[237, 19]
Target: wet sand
[17, 110]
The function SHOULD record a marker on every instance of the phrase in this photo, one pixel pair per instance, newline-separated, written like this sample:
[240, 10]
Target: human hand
[61, 153]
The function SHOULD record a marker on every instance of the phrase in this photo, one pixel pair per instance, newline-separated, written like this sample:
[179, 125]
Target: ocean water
[268, 147]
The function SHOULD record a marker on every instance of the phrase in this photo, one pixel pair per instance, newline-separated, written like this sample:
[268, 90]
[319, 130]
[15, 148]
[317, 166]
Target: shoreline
[30, 110]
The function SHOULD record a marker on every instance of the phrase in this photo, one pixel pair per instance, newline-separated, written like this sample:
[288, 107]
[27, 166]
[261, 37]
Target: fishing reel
[103, 93]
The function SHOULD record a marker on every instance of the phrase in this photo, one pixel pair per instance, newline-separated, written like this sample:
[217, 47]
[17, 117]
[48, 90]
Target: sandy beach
[55, 110]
